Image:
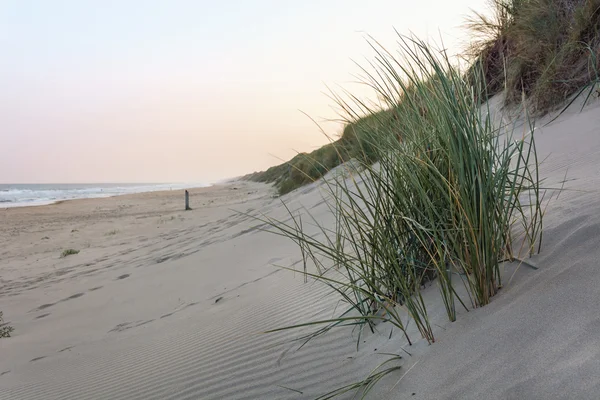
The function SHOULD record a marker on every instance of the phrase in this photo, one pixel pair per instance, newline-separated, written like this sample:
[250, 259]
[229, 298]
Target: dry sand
[166, 304]
[135, 313]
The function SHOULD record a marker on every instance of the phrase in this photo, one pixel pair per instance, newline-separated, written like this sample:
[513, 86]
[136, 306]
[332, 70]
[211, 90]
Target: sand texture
[161, 303]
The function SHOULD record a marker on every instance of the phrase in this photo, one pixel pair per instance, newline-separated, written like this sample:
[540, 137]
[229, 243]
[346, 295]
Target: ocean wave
[27, 195]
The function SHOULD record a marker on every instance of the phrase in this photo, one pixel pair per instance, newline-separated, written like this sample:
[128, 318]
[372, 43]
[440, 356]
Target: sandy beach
[161, 303]
[387, 202]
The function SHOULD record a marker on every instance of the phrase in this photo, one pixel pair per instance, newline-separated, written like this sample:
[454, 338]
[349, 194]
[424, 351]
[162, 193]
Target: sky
[185, 91]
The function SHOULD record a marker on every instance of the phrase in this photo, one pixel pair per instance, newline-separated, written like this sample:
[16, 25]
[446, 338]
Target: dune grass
[305, 168]
[5, 329]
[69, 252]
[451, 197]
[546, 50]
[452, 194]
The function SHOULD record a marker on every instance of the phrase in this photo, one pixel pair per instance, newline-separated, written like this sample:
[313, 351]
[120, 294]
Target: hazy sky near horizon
[184, 91]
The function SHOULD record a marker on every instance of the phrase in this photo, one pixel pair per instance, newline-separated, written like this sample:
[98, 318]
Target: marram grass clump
[69, 252]
[546, 52]
[5, 329]
[452, 196]
[543, 50]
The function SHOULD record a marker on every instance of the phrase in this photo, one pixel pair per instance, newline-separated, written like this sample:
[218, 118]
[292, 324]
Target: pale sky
[184, 91]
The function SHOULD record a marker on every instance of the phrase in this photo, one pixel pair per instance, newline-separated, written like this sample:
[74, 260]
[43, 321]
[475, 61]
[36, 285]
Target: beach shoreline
[110, 210]
[65, 190]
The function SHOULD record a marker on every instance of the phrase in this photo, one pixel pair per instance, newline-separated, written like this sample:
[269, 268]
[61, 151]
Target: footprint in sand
[74, 296]
[191, 305]
[128, 325]
[44, 306]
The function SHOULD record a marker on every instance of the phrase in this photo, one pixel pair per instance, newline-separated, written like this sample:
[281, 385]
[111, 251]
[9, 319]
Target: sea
[19, 195]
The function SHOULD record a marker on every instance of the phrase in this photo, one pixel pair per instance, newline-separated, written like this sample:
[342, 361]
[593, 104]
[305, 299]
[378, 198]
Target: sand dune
[538, 338]
[166, 304]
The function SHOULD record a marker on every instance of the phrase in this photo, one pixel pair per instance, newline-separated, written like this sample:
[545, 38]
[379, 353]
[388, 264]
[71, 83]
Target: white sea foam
[19, 195]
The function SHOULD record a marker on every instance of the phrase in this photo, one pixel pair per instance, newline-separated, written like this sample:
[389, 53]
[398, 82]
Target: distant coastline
[24, 195]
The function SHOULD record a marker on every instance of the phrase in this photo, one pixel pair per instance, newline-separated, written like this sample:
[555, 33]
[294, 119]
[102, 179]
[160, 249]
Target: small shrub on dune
[5, 329]
[69, 252]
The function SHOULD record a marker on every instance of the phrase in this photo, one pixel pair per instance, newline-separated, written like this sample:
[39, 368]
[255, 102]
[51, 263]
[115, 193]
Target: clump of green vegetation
[452, 197]
[543, 50]
[111, 233]
[5, 329]
[69, 252]
[305, 168]
[300, 170]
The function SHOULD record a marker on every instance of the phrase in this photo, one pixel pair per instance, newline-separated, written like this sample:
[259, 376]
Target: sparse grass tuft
[5, 329]
[111, 233]
[69, 252]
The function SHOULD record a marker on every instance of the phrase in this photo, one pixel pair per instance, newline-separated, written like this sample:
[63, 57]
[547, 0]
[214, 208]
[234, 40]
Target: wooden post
[187, 201]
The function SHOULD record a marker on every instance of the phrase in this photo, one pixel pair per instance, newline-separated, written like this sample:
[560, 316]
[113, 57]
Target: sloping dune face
[173, 308]
[538, 338]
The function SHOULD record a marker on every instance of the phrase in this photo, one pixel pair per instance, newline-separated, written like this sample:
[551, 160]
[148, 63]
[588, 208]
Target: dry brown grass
[543, 50]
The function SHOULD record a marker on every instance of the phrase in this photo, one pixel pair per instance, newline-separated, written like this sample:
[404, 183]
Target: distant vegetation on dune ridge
[544, 51]
[308, 167]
